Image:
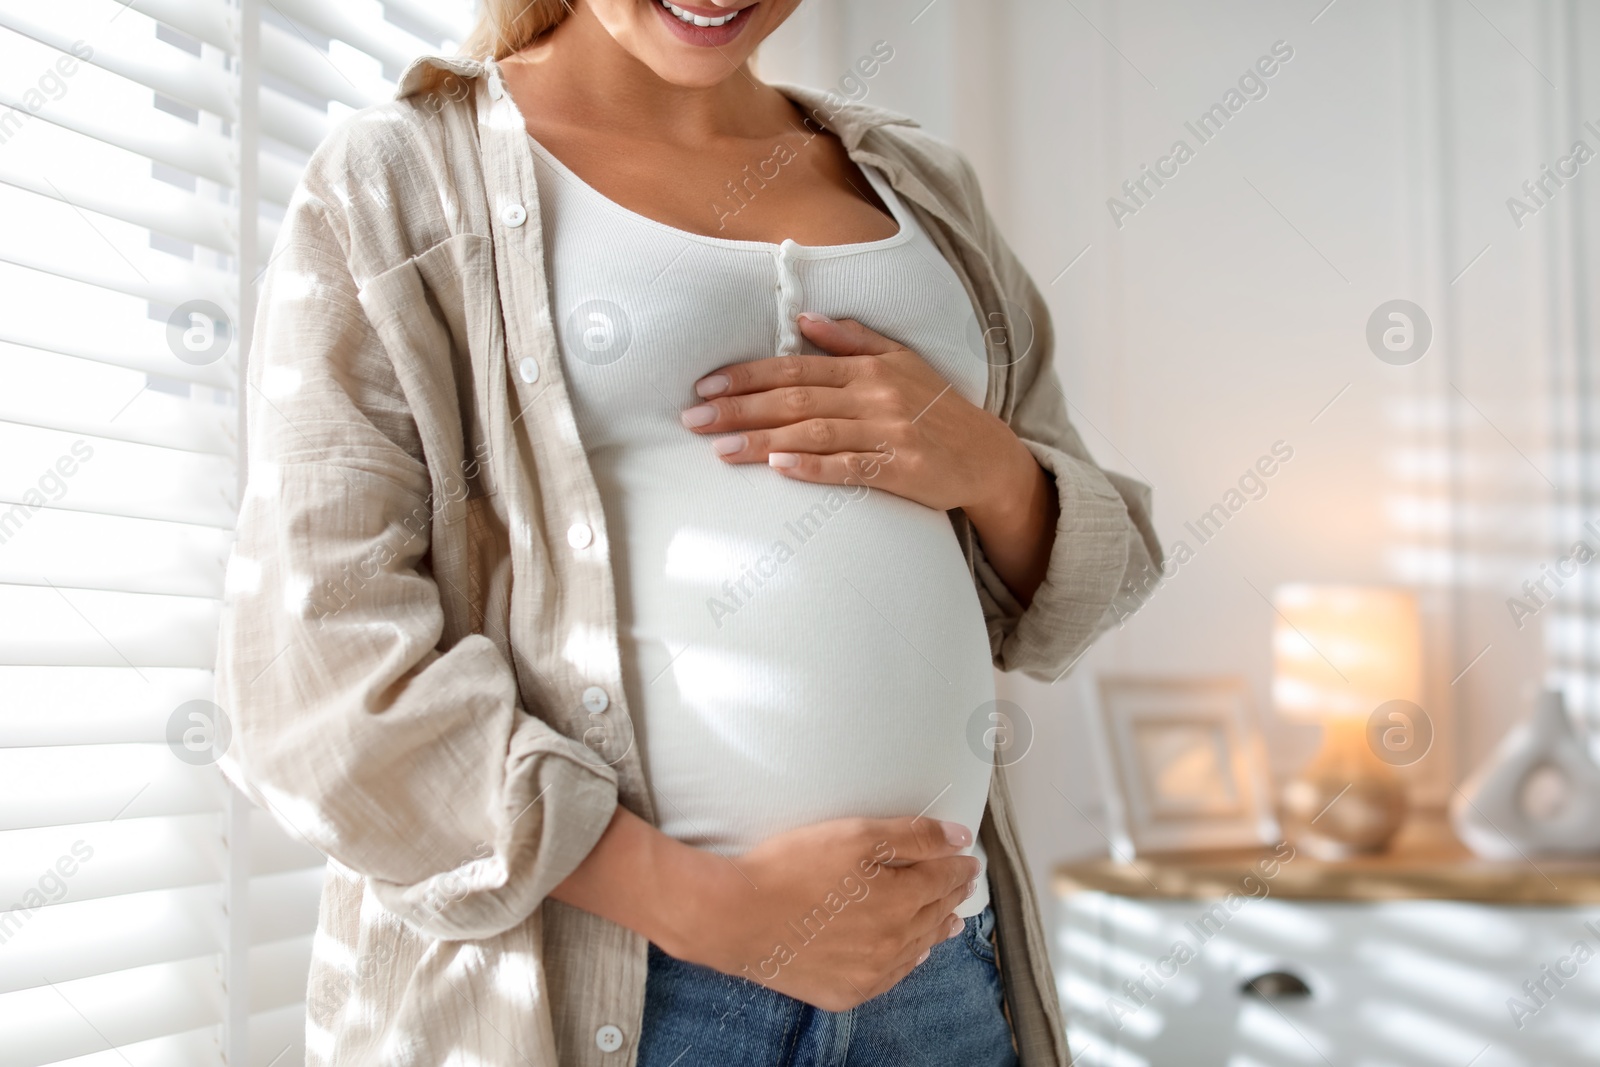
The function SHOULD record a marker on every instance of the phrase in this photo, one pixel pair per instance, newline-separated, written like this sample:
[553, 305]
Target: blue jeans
[946, 1013]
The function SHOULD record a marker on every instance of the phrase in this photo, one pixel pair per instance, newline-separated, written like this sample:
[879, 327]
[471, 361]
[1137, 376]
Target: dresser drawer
[1150, 983]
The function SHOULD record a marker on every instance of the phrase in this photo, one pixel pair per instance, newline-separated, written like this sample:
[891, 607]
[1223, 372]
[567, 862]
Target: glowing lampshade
[1339, 651]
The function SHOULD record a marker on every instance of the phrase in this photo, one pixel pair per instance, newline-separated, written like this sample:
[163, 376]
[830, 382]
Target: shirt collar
[847, 119]
[420, 73]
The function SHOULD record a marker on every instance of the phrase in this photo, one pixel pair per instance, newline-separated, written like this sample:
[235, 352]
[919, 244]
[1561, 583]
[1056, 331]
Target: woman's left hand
[874, 413]
[871, 413]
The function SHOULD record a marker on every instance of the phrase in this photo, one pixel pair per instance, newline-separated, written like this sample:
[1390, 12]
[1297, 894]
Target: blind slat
[142, 348]
[201, 438]
[96, 628]
[79, 472]
[67, 786]
[93, 705]
[74, 396]
[449, 22]
[68, 547]
[283, 53]
[172, 142]
[51, 1023]
[188, 81]
[193, 1048]
[155, 66]
[67, 941]
[162, 137]
[122, 856]
[289, 57]
[168, 285]
[121, 256]
[207, 22]
[358, 23]
[152, 204]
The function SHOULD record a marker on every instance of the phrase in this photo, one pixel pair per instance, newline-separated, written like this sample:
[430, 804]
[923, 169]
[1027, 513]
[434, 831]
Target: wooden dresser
[1423, 956]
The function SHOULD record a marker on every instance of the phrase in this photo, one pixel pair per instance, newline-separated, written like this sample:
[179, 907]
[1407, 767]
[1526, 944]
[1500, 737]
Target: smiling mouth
[689, 18]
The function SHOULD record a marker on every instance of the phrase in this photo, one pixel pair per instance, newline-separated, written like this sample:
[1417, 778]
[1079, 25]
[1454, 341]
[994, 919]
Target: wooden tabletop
[1437, 871]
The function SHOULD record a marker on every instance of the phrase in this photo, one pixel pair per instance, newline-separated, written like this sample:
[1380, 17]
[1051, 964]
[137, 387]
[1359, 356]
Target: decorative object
[1181, 764]
[1349, 657]
[1539, 794]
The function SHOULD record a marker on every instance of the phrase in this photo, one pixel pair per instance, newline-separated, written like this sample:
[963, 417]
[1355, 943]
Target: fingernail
[724, 446]
[814, 316]
[972, 887]
[712, 385]
[922, 958]
[703, 415]
[956, 926]
[783, 459]
[957, 834]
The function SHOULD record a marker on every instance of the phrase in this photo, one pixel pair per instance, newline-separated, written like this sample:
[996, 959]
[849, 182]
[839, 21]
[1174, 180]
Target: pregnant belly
[798, 652]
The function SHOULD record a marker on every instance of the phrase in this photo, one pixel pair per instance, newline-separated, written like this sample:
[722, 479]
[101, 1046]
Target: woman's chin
[689, 74]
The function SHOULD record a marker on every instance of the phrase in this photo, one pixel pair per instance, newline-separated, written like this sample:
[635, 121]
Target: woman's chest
[801, 186]
[642, 313]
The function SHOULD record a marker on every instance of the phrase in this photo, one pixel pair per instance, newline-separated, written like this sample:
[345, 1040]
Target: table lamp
[1339, 654]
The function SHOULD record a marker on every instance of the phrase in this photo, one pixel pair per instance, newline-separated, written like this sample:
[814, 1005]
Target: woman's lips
[704, 36]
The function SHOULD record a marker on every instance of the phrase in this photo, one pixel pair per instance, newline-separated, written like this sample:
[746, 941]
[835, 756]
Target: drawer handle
[1275, 984]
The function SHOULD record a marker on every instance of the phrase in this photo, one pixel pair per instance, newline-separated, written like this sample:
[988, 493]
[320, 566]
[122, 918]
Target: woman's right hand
[832, 914]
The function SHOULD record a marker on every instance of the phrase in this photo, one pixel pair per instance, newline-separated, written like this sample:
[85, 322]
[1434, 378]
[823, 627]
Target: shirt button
[608, 1038]
[514, 215]
[595, 700]
[579, 535]
[529, 369]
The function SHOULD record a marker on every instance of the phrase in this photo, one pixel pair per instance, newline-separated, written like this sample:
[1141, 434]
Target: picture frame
[1182, 765]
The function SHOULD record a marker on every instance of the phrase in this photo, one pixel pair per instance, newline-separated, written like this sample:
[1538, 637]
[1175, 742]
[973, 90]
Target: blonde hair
[508, 26]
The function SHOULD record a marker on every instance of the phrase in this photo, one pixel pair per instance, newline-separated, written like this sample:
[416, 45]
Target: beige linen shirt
[419, 649]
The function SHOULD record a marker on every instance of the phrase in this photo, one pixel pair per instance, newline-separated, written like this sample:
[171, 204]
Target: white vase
[1538, 794]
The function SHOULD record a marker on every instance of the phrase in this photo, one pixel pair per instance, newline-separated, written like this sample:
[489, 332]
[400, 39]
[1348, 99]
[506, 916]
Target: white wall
[1228, 312]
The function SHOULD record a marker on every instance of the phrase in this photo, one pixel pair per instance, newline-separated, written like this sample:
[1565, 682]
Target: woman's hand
[874, 413]
[834, 913]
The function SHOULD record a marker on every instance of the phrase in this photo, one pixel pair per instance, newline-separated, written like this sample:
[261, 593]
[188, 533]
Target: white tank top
[791, 652]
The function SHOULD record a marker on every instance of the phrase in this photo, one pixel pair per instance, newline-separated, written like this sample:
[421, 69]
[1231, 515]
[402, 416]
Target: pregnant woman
[648, 468]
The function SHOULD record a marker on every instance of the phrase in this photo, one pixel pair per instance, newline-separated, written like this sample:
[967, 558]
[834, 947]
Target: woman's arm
[877, 893]
[413, 766]
[1106, 557]
[1017, 524]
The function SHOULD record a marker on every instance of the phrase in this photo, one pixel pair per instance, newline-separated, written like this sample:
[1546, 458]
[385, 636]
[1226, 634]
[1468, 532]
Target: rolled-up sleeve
[413, 765]
[1105, 553]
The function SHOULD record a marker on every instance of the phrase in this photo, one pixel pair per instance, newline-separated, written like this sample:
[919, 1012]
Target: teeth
[697, 20]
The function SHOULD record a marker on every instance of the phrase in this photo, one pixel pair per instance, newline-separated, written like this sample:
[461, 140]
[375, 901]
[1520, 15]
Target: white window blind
[148, 916]
[1572, 626]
